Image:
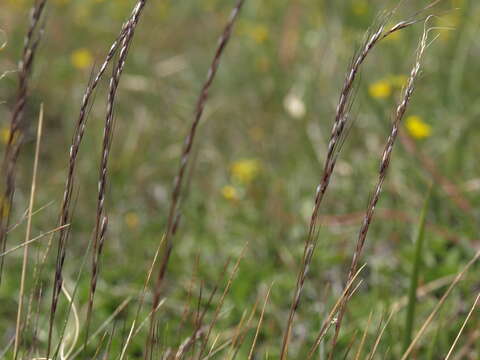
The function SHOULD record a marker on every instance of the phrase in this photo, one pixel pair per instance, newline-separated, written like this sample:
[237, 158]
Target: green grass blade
[412, 298]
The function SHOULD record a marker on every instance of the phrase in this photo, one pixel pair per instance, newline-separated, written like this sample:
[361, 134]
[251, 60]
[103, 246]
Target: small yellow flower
[360, 7]
[417, 128]
[229, 193]
[244, 171]
[81, 59]
[4, 135]
[259, 33]
[381, 89]
[132, 220]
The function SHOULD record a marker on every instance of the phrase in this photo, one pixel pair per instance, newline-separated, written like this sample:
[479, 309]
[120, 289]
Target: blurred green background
[257, 160]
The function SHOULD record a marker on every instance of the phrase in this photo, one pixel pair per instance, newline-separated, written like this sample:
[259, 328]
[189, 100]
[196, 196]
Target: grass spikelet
[384, 165]
[15, 135]
[173, 212]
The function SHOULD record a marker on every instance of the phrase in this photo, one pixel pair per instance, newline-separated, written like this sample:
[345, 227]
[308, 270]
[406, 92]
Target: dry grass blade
[222, 300]
[200, 315]
[15, 135]
[450, 352]
[384, 165]
[27, 236]
[188, 342]
[173, 213]
[36, 238]
[76, 330]
[364, 337]
[250, 355]
[330, 320]
[379, 337]
[468, 346]
[102, 327]
[142, 299]
[240, 334]
[439, 305]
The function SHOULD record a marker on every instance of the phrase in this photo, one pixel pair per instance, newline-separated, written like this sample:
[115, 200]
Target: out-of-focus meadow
[258, 158]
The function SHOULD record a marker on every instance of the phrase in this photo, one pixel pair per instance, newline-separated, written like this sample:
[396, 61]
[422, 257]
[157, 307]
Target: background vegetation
[257, 161]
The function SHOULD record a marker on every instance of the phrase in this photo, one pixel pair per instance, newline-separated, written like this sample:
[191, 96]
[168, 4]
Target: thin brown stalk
[469, 315]
[101, 219]
[24, 216]
[65, 213]
[200, 315]
[142, 298]
[364, 337]
[188, 342]
[467, 347]
[350, 344]
[27, 236]
[102, 327]
[174, 211]
[439, 305]
[222, 300]
[187, 307]
[330, 320]
[379, 337]
[342, 123]
[257, 331]
[16, 132]
[384, 165]
[239, 333]
[36, 238]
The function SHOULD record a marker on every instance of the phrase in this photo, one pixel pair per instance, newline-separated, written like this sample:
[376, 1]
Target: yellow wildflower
[81, 59]
[4, 135]
[259, 33]
[417, 128]
[380, 89]
[360, 7]
[244, 171]
[132, 220]
[229, 193]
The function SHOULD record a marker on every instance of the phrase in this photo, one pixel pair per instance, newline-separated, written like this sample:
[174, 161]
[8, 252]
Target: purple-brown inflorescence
[384, 165]
[174, 214]
[15, 137]
[65, 212]
[339, 132]
[101, 219]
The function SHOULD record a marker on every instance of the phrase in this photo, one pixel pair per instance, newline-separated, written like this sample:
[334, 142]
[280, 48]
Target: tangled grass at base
[239, 249]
